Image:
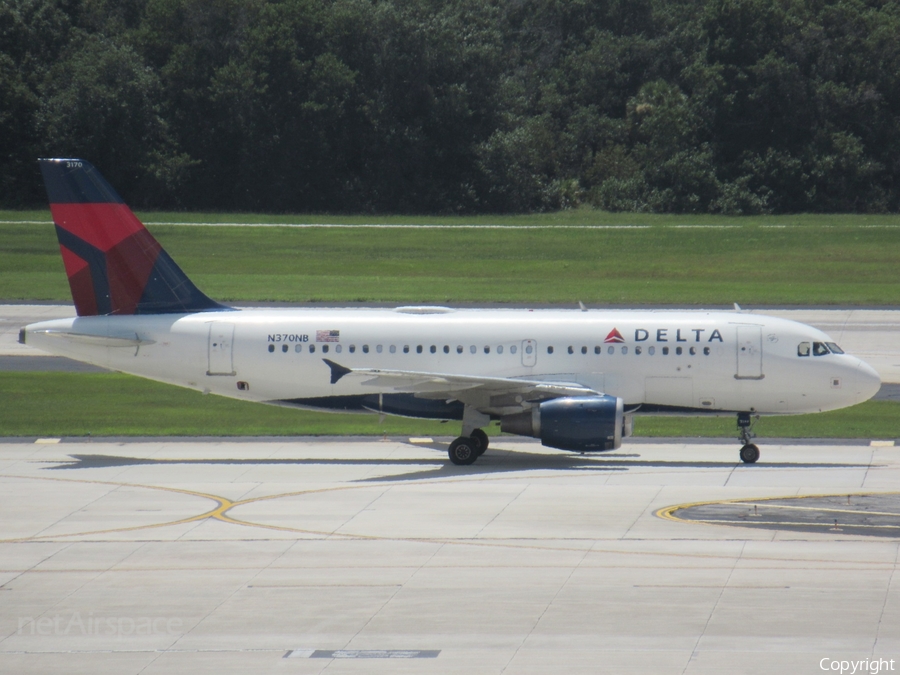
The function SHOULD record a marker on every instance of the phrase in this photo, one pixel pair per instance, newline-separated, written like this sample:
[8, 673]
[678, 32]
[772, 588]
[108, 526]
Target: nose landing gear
[749, 452]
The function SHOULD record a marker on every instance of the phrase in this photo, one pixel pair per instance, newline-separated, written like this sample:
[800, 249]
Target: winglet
[337, 370]
[114, 264]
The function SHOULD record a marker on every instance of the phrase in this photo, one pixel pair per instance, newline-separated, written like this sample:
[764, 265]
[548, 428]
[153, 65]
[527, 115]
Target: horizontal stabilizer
[97, 340]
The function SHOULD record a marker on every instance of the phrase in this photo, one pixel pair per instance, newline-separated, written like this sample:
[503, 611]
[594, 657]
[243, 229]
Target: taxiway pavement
[352, 556]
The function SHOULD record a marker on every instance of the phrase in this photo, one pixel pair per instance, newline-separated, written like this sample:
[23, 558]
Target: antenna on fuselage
[581, 304]
[737, 308]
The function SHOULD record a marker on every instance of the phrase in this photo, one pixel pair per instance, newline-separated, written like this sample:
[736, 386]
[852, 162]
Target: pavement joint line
[887, 593]
[712, 611]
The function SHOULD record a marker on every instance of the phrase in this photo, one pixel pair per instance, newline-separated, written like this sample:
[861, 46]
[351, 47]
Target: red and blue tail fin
[114, 264]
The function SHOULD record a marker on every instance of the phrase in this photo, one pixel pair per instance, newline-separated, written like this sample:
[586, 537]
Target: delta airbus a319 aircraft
[573, 379]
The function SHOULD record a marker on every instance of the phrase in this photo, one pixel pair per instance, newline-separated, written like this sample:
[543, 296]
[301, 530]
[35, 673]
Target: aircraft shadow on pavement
[496, 461]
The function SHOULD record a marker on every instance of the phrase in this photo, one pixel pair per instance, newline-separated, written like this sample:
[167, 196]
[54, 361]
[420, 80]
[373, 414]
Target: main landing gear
[466, 449]
[749, 453]
[473, 442]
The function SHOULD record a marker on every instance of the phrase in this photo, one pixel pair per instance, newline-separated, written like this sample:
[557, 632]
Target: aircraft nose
[866, 381]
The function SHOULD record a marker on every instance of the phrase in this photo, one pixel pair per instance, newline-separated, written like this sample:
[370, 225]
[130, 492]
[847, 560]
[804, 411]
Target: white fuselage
[668, 361]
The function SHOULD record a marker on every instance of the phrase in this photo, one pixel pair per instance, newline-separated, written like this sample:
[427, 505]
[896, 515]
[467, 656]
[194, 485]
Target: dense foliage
[734, 106]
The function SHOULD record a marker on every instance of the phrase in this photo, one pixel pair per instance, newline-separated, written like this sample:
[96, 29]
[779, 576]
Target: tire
[463, 451]
[481, 440]
[749, 454]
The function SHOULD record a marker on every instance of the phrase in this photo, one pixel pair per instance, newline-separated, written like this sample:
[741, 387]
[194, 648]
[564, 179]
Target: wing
[492, 395]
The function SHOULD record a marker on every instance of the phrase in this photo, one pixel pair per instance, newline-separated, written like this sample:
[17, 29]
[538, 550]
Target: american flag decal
[328, 336]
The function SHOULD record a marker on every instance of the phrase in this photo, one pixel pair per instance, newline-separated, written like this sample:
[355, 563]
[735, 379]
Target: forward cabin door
[749, 353]
[220, 348]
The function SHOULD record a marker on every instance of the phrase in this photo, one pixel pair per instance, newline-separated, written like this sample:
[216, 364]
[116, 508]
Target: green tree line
[459, 106]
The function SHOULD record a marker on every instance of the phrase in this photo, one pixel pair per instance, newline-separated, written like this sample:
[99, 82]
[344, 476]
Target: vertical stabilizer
[114, 264]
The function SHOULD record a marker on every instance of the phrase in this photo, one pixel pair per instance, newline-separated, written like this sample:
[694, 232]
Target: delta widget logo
[614, 336]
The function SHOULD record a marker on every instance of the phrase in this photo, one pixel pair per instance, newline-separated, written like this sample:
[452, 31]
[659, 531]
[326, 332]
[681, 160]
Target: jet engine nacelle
[584, 423]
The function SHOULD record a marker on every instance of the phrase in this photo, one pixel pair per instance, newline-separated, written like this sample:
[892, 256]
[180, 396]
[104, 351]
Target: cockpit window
[819, 349]
[803, 349]
[834, 348]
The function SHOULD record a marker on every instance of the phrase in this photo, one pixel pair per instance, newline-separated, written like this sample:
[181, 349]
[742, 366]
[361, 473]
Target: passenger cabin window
[803, 349]
[598, 350]
[365, 349]
[571, 349]
[549, 350]
[352, 348]
[418, 349]
[512, 350]
[819, 349]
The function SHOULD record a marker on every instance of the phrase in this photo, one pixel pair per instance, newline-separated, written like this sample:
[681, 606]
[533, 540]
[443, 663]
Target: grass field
[680, 260]
[110, 404]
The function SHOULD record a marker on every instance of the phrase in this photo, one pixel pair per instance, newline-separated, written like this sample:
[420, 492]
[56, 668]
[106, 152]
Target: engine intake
[593, 423]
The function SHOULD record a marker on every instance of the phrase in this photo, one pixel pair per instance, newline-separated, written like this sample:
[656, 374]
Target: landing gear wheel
[481, 440]
[749, 454]
[463, 451]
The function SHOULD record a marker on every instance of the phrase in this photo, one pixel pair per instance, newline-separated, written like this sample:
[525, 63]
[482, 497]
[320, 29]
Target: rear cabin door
[221, 348]
[749, 353]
